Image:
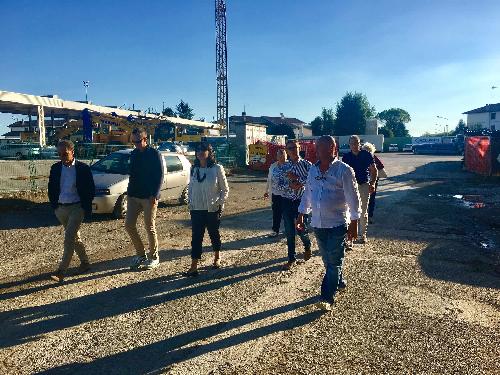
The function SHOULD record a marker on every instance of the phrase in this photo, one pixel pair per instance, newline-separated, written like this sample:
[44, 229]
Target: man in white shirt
[331, 194]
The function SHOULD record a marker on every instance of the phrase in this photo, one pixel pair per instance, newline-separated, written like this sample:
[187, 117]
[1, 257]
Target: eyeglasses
[291, 148]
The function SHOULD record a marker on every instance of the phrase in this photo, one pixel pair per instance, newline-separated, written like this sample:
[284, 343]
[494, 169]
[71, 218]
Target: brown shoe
[290, 265]
[307, 254]
[57, 277]
[217, 264]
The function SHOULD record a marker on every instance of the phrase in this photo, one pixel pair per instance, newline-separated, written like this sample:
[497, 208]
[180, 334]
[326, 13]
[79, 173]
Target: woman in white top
[275, 173]
[207, 192]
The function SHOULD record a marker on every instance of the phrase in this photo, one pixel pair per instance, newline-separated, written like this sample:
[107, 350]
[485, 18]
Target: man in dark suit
[71, 191]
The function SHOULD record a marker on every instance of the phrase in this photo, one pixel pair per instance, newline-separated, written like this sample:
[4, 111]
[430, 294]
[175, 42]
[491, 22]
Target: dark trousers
[277, 212]
[201, 220]
[371, 204]
[290, 212]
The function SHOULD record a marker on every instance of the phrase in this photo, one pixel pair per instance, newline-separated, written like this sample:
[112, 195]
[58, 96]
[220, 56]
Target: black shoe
[307, 254]
[84, 267]
[342, 286]
[191, 273]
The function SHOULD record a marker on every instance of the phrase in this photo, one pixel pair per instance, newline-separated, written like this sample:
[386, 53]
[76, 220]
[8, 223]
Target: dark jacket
[146, 174]
[84, 185]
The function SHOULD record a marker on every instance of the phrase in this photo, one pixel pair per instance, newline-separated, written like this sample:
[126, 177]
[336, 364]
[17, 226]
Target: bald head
[326, 148]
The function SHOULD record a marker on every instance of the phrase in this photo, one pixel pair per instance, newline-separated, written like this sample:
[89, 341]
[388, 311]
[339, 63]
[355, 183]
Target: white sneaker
[323, 305]
[137, 261]
[151, 263]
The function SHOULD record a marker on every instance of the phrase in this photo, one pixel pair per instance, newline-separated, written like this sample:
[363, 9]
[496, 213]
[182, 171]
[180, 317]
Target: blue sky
[431, 58]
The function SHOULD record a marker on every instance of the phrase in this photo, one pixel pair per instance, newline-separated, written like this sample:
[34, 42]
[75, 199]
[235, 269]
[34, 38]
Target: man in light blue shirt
[331, 194]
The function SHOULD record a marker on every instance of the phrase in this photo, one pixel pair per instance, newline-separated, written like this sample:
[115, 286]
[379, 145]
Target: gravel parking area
[423, 294]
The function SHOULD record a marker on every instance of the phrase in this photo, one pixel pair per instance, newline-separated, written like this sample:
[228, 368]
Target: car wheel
[120, 210]
[19, 156]
[184, 198]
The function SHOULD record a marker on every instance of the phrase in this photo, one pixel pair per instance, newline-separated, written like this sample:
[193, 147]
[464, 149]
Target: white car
[393, 147]
[111, 181]
[19, 150]
[408, 148]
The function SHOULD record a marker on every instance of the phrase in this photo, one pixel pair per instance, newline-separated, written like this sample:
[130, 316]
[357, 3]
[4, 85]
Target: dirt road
[422, 296]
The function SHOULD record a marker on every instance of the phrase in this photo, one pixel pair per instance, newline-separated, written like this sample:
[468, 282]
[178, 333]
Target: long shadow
[99, 270]
[25, 324]
[154, 357]
[25, 214]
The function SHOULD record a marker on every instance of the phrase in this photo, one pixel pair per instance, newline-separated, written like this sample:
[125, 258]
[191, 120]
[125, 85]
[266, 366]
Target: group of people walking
[331, 196]
[71, 191]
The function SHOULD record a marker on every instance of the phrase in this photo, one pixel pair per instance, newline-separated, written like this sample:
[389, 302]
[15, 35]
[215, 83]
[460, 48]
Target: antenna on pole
[221, 65]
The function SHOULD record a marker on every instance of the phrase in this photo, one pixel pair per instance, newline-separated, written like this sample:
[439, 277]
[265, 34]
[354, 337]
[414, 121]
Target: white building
[487, 117]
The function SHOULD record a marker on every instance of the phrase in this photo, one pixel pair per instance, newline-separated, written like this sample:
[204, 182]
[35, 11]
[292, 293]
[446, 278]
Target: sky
[431, 58]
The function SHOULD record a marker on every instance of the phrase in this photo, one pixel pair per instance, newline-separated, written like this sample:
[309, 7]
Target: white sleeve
[351, 193]
[306, 201]
[269, 185]
[223, 186]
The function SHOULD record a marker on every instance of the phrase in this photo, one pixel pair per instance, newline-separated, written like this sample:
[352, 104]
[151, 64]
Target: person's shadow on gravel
[25, 324]
[153, 358]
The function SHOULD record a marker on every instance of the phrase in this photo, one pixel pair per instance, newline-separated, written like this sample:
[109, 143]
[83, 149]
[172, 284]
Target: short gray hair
[66, 144]
[354, 136]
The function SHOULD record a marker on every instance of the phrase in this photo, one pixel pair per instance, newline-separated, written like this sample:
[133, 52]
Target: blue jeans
[290, 212]
[331, 247]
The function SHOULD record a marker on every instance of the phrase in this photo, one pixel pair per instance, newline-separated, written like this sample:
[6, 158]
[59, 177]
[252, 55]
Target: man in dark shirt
[143, 193]
[366, 176]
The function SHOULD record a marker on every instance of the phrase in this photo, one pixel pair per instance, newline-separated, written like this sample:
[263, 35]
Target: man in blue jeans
[331, 194]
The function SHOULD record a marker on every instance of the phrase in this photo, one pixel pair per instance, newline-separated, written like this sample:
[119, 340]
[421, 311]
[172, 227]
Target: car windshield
[116, 163]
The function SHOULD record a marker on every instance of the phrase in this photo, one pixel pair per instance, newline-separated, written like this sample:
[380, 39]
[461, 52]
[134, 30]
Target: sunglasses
[319, 178]
[139, 141]
[291, 148]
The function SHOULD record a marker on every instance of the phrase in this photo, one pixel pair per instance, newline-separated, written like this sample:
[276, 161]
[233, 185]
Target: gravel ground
[423, 294]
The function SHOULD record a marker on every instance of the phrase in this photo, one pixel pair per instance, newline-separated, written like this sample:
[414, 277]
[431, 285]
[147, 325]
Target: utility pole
[221, 65]
[86, 85]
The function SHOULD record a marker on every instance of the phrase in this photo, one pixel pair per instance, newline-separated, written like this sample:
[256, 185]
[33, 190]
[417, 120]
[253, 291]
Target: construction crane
[221, 65]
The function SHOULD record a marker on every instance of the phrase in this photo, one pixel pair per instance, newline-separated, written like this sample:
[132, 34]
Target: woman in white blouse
[207, 192]
[275, 173]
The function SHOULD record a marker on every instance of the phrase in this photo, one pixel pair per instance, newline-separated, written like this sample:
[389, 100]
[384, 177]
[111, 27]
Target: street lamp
[86, 85]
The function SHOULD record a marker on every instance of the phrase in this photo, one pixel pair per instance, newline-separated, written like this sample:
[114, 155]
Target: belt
[68, 204]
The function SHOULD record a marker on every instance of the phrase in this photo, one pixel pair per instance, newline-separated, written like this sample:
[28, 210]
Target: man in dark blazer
[71, 191]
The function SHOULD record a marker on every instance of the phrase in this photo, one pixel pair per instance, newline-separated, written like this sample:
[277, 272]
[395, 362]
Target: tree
[351, 114]
[317, 126]
[325, 123]
[460, 129]
[386, 132]
[183, 110]
[396, 120]
[168, 112]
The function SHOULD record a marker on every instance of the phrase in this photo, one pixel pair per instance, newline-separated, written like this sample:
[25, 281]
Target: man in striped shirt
[292, 187]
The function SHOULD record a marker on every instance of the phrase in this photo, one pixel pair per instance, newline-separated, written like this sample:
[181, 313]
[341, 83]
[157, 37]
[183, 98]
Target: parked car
[436, 149]
[170, 147]
[19, 150]
[408, 147]
[49, 152]
[111, 175]
[344, 149]
[393, 147]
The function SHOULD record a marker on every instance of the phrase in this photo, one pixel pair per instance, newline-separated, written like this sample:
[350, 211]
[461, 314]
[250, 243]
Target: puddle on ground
[468, 201]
